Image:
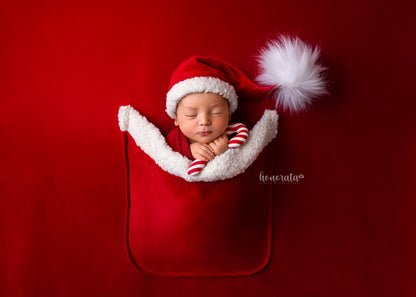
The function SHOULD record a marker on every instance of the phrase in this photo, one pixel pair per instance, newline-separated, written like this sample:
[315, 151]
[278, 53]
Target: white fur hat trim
[200, 85]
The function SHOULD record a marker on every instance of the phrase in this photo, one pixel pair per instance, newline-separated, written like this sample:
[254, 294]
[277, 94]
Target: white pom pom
[291, 66]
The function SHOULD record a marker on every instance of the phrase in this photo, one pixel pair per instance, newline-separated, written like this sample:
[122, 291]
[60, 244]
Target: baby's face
[202, 117]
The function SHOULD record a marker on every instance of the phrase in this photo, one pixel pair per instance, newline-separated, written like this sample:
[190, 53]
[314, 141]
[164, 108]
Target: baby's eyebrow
[190, 107]
[216, 104]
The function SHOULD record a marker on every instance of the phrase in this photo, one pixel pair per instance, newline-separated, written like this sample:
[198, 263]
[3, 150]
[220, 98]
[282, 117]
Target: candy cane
[235, 141]
[196, 167]
[240, 137]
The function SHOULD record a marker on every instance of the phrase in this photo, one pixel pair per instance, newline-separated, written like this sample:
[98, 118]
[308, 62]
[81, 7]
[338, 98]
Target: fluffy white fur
[199, 85]
[152, 142]
[292, 67]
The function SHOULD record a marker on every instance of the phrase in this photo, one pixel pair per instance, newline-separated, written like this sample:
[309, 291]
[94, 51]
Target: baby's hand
[201, 151]
[219, 145]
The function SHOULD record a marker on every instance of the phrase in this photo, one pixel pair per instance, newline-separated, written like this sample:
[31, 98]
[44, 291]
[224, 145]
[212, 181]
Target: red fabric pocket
[180, 228]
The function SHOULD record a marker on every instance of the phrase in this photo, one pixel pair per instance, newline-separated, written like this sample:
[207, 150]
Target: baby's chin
[204, 140]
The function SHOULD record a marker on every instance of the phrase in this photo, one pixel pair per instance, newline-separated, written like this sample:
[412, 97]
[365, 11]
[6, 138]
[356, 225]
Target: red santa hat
[289, 71]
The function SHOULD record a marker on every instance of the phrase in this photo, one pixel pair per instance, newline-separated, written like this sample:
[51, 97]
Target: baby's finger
[205, 156]
[220, 139]
[213, 145]
[205, 148]
[207, 152]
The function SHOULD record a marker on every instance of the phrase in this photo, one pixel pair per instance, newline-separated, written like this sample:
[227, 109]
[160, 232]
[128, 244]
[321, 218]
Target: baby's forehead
[206, 99]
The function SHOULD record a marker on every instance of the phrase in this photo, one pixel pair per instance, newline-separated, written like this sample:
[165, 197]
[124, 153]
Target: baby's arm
[205, 152]
[201, 151]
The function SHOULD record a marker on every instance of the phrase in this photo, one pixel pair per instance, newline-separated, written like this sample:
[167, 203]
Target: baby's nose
[204, 119]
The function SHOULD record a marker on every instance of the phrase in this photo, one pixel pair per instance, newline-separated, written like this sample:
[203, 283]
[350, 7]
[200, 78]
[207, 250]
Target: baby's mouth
[204, 133]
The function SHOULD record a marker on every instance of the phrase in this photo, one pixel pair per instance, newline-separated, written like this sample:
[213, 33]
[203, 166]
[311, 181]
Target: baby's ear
[176, 123]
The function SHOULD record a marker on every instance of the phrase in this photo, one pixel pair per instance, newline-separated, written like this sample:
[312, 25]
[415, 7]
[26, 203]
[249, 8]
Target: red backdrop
[347, 229]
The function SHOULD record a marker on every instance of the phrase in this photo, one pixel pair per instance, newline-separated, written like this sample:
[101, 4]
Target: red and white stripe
[196, 167]
[242, 133]
[240, 137]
